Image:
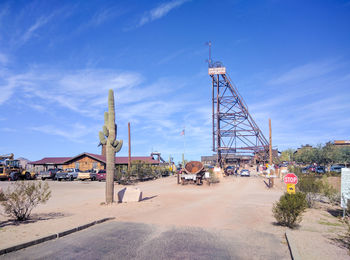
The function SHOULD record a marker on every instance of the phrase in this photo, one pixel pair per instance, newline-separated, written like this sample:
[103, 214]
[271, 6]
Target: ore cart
[193, 173]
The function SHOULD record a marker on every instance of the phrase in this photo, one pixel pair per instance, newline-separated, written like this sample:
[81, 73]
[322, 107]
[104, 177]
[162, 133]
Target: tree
[345, 155]
[305, 155]
[113, 146]
[287, 155]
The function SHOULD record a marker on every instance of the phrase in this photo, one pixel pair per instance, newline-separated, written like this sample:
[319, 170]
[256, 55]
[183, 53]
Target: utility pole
[270, 143]
[129, 158]
[271, 180]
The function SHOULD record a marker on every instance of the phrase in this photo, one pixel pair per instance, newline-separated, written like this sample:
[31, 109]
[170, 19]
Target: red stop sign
[290, 178]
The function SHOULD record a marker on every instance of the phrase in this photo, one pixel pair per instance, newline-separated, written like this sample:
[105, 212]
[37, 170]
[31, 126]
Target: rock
[129, 194]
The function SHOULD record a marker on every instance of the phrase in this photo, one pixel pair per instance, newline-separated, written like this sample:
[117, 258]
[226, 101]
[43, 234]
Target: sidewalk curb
[51, 237]
[294, 252]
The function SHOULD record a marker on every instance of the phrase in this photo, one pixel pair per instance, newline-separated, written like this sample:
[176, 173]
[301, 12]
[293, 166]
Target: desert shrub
[294, 169]
[22, 197]
[288, 210]
[310, 186]
[212, 177]
[329, 191]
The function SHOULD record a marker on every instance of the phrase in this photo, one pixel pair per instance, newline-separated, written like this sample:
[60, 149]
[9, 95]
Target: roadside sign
[345, 187]
[291, 188]
[290, 178]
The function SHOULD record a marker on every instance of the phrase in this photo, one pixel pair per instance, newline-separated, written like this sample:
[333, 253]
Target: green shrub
[329, 191]
[310, 186]
[213, 178]
[288, 210]
[294, 169]
[22, 197]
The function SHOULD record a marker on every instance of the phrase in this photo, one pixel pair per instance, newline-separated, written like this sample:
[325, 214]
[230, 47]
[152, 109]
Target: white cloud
[105, 14]
[80, 91]
[41, 21]
[171, 57]
[74, 133]
[160, 11]
[305, 72]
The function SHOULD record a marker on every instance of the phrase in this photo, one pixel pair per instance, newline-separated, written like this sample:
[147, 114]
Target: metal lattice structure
[234, 129]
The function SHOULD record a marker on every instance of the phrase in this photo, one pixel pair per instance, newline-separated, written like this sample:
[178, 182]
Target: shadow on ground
[33, 218]
[149, 198]
[335, 212]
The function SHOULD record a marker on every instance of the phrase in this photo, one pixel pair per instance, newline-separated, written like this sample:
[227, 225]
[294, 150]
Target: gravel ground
[236, 208]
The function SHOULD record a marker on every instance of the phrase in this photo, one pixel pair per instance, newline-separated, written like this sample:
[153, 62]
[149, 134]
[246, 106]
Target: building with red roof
[86, 161]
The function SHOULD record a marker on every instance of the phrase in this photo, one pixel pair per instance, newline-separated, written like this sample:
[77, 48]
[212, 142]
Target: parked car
[67, 174]
[308, 169]
[245, 172]
[101, 175]
[336, 168]
[230, 170]
[49, 174]
[320, 169]
[87, 175]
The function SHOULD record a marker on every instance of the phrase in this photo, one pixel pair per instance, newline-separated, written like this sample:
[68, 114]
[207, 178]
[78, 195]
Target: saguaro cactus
[107, 137]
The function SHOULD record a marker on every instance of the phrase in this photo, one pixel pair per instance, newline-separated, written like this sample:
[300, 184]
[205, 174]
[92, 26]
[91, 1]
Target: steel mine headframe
[234, 129]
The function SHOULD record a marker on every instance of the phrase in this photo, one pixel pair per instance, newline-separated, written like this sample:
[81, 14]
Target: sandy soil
[335, 182]
[236, 204]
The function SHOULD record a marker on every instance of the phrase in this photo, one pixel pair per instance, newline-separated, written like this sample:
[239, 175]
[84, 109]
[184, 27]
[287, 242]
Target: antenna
[209, 60]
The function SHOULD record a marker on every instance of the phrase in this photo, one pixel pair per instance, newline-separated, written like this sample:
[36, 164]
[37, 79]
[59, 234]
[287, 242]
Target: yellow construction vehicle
[10, 169]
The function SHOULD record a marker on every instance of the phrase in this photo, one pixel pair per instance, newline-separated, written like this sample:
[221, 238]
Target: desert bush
[212, 177]
[310, 186]
[22, 197]
[288, 210]
[329, 191]
[294, 169]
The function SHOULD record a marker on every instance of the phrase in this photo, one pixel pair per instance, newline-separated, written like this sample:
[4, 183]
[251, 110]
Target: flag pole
[183, 154]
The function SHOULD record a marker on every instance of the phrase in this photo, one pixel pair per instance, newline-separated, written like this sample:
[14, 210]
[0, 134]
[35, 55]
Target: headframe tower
[234, 129]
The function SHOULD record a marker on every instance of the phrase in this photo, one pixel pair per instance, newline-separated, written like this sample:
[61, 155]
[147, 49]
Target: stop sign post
[290, 179]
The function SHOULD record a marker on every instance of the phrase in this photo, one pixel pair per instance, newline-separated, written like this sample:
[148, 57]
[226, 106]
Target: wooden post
[270, 143]
[271, 179]
[129, 158]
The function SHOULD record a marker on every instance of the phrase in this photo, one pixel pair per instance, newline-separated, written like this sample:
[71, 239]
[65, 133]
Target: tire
[59, 179]
[71, 178]
[27, 176]
[13, 176]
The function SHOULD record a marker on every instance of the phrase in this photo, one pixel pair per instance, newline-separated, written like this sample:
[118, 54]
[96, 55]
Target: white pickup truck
[67, 174]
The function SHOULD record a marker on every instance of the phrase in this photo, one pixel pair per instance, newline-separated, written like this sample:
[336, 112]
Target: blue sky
[290, 61]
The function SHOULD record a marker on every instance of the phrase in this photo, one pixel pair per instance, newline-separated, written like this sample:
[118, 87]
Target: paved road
[121, 240]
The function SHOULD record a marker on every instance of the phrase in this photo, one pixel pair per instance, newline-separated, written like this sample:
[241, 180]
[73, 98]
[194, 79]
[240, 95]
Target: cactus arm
[119, 146]
[106, 118]
[105, 131]
[103, 140]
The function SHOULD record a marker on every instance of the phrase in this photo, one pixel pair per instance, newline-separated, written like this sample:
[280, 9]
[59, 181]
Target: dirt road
[238, 206]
